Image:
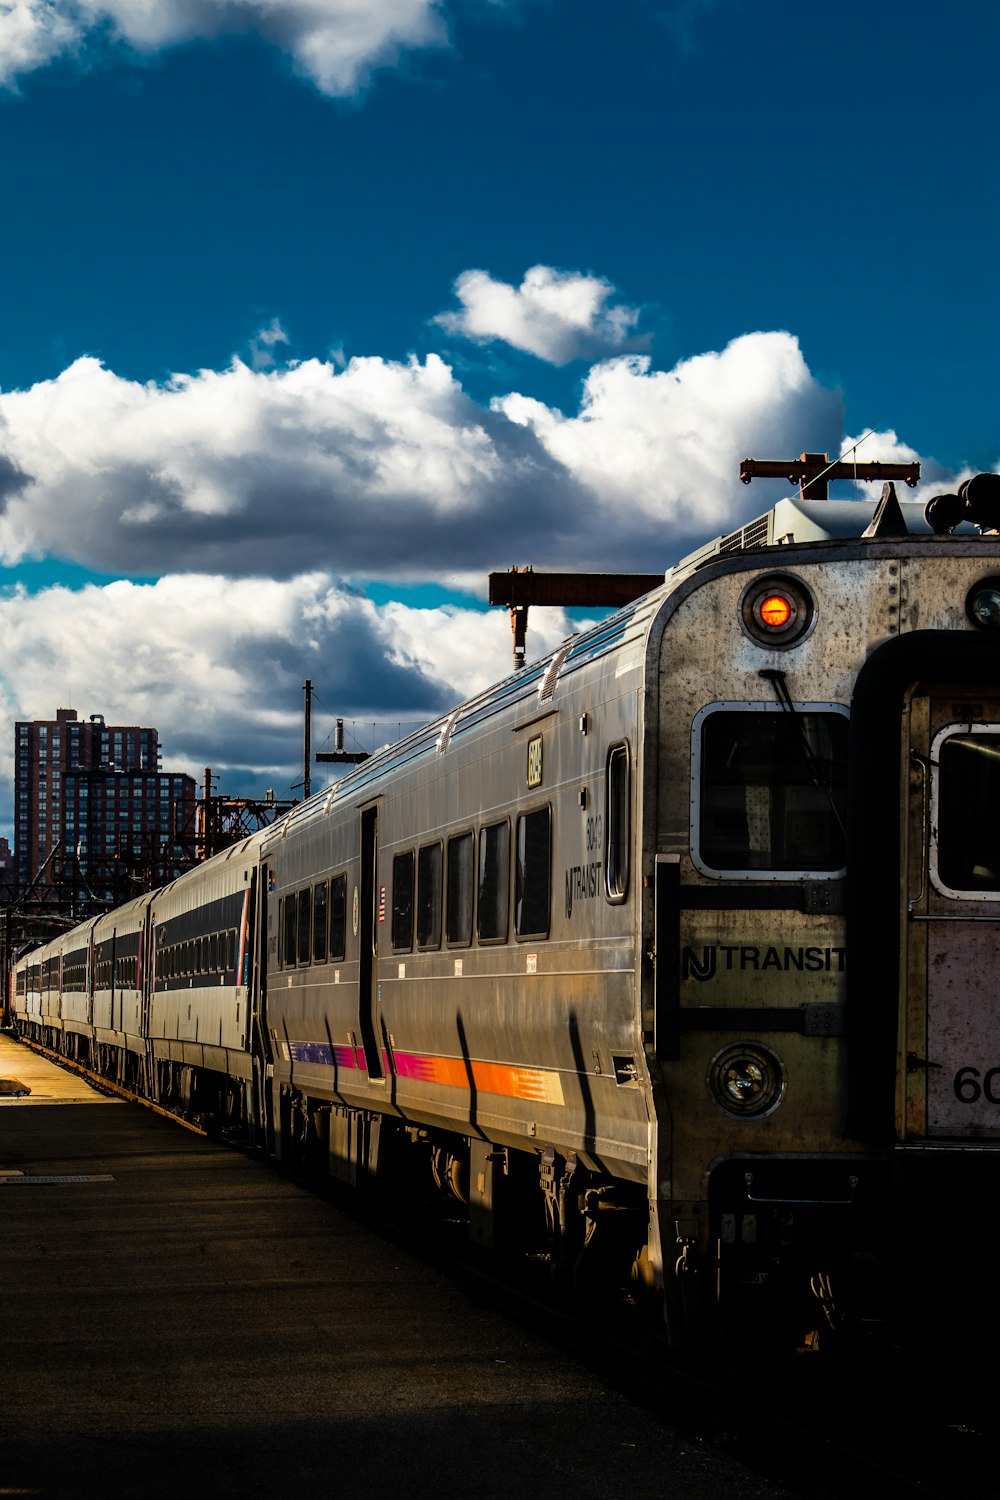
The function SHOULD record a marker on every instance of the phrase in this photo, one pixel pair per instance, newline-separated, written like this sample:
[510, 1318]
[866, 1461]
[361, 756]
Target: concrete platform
[176, 1319]
[45, 1082]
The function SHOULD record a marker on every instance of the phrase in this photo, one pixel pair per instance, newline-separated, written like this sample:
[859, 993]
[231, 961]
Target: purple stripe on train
[327, 1056]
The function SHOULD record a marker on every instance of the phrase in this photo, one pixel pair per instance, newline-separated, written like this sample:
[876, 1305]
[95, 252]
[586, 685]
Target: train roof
[796, 520]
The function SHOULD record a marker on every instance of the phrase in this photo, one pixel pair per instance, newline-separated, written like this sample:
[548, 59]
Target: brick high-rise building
[92, 800]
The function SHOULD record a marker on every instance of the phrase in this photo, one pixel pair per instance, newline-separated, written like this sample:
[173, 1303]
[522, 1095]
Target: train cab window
[966, 819]
[429, 896]
[533, 888]
[461, 863]
[319, 922]
[402, 902]
[338, 916]
[494, 882]
[305, 928]
[770, 791]
[617, 816]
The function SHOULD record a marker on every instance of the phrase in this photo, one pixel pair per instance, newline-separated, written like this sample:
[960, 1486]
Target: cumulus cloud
[556, 315]
[385, 469]
[660, 449]
[335, 43]
[217, 664]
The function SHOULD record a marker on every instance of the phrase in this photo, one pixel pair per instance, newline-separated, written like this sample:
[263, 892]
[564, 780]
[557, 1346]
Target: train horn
[977, 501]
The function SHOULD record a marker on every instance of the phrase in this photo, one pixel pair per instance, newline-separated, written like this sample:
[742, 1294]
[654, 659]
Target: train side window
[305, 929]
[617, 823]
[319, 922]
[288, 929]
[461, 863]
[429, 896]
[532, 896]
[402, 902]
[231, 950]
[494, 882]
[770, 791]
[338, 916]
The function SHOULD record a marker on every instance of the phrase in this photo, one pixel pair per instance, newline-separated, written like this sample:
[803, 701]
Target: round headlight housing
[982, 604]
[776, 610]
[747, 1080]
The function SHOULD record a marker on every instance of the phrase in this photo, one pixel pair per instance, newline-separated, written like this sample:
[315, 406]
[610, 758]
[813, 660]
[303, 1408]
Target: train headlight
[776, 610]
[747, 1080]
[982, 604]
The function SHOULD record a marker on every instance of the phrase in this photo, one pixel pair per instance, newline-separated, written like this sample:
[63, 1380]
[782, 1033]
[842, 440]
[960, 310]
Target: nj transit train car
[672, 957]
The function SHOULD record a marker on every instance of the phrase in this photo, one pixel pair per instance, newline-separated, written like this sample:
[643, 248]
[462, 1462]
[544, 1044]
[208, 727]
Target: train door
[951, 931]
[371, 909]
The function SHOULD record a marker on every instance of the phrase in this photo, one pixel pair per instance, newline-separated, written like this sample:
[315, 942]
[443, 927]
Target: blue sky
[313, 312]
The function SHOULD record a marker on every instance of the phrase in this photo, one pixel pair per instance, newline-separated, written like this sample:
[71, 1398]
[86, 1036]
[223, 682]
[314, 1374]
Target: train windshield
[773, 791]
[968, 813]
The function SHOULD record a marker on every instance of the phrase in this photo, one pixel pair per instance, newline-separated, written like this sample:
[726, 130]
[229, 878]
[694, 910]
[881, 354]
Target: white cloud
[662, 447]
[335, 43]
[264, 344]
[32, 34]
[217, 664]
[556, 315]
[383, 469]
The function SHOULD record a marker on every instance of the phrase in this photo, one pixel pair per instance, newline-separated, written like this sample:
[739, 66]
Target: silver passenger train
[673, 956]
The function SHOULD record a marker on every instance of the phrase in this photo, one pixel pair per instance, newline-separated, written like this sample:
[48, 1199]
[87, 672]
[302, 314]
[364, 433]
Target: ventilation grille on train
[547, 686]
[753, 534]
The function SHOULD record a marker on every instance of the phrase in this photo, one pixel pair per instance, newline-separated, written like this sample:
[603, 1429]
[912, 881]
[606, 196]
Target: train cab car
[819, 984]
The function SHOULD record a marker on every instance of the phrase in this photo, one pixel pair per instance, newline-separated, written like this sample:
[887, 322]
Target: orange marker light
[775, 611]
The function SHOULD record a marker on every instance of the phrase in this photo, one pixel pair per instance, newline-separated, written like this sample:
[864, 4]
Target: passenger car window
[429, 896]
[494, 881]
[772, 793]
[402, 901]
[461, 856]
[617, 823]
[304, 906]
[338, 916]
[288, 929]
[533, 874]
[319, 922]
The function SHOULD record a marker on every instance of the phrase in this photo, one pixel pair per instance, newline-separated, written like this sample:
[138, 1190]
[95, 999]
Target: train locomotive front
[822, 847]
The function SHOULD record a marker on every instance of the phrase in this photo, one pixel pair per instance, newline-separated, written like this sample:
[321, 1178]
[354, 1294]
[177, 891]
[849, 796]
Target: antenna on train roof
[813, 471]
